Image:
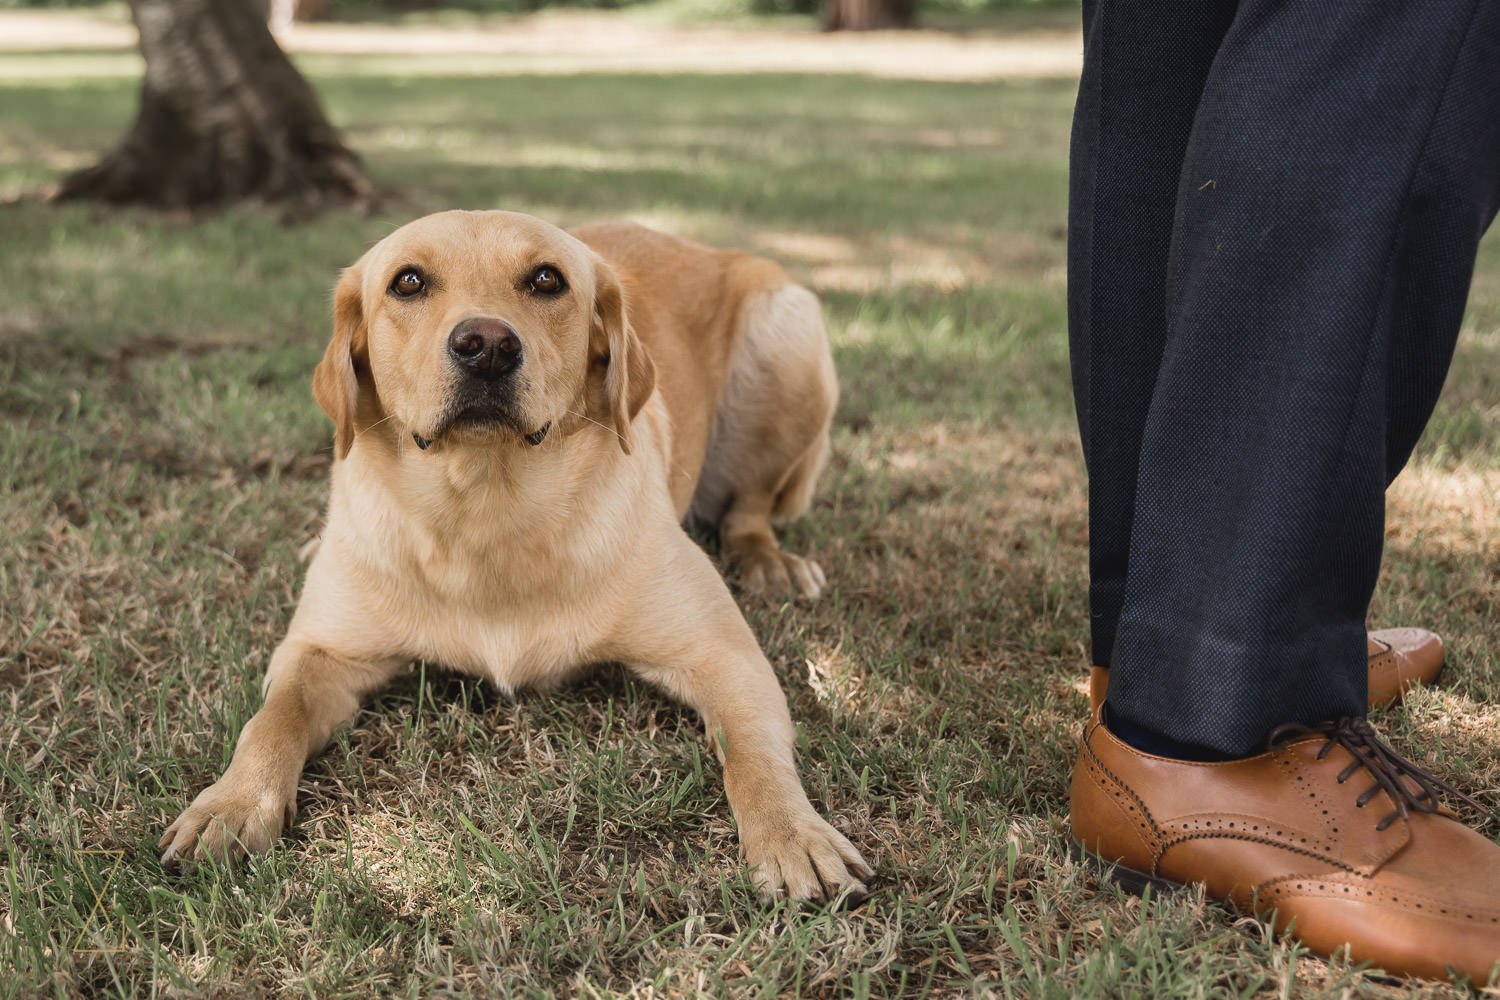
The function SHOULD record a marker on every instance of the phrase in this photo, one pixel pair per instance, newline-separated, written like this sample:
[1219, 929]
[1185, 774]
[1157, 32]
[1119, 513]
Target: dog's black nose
[489, 348]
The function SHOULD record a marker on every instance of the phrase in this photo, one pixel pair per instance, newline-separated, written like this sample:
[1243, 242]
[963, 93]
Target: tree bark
[868, 15]
[283, 12]
[224, 116]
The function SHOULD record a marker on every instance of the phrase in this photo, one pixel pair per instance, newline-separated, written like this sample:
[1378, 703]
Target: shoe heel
[1134, 882]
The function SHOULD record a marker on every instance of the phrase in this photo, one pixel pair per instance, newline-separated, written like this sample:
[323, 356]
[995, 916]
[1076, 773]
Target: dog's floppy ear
[336, 379]
[620, 372]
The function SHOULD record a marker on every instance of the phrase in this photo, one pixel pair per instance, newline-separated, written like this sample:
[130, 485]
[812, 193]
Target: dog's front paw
[228, 819]
[777, 575]
[807, 857]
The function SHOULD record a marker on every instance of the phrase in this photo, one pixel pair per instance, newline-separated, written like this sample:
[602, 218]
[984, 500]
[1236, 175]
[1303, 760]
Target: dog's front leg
[687, 636]
[310, 692]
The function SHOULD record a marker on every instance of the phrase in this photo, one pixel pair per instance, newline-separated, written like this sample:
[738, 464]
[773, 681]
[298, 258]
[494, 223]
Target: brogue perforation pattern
[1242, 829]
[1127, 800]
[1268, 894]
[1286, 845]
[1292, 767]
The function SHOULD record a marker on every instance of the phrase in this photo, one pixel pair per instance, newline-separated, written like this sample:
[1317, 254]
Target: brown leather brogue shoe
[1332, 835]
[1400, 659]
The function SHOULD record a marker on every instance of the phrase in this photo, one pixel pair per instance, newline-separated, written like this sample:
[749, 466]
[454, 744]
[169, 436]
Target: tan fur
[669, 377]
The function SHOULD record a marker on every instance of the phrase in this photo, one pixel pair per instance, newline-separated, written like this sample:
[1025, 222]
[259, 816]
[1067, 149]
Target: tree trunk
[868, 15]
[224, 116]
[284, 12]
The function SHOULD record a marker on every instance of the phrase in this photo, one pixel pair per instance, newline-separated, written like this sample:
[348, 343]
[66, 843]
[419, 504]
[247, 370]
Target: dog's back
[746, 372]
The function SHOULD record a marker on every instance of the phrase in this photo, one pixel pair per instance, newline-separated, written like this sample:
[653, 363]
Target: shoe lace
[1407, 785]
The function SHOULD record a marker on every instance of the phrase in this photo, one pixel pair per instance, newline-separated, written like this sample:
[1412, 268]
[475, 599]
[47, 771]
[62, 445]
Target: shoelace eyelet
[1394, 775]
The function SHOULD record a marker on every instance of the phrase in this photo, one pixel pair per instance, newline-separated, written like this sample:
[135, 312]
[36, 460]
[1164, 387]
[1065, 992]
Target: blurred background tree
[868, 15]
[224, 116]
[283, 12]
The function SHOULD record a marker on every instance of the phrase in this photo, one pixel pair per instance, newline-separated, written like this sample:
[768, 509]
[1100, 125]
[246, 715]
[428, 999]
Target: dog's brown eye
[546, 281]
[408, 283]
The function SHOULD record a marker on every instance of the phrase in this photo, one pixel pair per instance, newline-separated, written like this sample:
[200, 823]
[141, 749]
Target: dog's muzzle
[535, 438]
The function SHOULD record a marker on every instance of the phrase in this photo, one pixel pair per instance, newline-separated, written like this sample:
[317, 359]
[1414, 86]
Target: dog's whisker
[585, 416]
[376, 424]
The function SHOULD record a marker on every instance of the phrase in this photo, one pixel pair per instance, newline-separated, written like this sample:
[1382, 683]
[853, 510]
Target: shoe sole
[1134, 882]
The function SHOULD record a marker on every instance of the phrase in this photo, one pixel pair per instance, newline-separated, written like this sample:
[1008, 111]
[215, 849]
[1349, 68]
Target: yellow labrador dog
[523, 419]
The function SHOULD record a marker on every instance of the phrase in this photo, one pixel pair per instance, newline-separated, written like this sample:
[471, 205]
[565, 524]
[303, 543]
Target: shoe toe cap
[1401, 931]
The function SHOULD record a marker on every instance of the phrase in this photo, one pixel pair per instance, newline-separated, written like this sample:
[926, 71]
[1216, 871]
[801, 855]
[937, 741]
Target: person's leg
[1343, 164]
[1342, 167]
[1144, 67]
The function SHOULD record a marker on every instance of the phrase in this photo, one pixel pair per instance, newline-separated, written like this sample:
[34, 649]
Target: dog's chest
[517, 579]
[510, 652]
[490, 592]
[506, 612]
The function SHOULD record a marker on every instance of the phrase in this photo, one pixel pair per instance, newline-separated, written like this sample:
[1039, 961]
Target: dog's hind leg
[770, 440]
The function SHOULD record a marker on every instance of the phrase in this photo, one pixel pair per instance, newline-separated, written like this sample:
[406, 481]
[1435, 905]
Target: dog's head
[469, 327]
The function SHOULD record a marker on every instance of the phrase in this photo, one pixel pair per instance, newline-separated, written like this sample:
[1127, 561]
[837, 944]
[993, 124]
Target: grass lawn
[161, 462]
